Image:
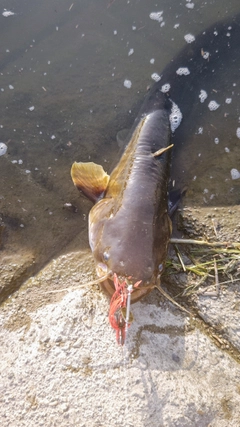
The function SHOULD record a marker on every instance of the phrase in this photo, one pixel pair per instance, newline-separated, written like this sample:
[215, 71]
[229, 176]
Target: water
[63, 98]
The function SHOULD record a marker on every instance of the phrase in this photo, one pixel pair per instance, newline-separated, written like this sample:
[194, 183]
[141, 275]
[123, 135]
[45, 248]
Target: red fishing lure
[118, 303]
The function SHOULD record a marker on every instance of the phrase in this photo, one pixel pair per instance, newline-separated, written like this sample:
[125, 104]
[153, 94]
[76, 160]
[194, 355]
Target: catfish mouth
[108, 288]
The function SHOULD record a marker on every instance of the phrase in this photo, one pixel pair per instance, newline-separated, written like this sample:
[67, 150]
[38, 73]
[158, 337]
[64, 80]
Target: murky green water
[63, 67]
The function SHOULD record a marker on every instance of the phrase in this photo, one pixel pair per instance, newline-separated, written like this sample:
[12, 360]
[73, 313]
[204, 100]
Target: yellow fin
[90, 178]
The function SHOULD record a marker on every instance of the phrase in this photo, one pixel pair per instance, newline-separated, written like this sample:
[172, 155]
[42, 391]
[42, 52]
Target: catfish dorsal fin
[90, 178]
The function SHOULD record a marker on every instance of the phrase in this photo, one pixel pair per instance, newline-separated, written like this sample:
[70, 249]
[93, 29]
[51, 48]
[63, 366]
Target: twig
[216, 292]
[180, 259]
[205, 243]
[172, 300]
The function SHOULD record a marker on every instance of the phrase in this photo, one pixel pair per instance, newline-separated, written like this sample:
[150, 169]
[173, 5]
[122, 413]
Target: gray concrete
[61, 365]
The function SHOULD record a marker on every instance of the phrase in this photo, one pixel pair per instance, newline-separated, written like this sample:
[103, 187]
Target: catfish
[129, 224]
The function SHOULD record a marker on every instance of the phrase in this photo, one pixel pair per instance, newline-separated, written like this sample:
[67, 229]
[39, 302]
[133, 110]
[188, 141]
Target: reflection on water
[63, 67]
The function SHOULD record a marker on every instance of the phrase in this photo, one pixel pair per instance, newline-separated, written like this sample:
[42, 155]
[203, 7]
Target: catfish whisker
[91, 283]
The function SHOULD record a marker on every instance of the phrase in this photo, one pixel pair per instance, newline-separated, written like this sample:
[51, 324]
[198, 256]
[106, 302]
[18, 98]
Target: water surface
[63, 66]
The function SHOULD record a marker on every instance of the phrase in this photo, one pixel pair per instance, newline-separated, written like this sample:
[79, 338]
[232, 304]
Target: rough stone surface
[61, 365]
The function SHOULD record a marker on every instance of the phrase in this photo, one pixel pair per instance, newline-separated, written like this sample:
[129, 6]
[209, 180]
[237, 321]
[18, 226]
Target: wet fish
[129, 225]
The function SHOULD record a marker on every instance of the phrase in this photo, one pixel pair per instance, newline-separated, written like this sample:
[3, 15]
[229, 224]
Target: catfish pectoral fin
[90, 178]
[162, 150]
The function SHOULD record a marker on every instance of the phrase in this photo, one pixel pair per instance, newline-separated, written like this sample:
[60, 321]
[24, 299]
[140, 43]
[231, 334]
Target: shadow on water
[62, 99]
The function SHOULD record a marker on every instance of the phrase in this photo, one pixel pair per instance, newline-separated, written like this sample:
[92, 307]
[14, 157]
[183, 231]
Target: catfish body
[129, 226]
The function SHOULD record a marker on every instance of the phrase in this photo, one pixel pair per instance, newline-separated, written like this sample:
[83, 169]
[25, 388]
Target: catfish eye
[106, 255]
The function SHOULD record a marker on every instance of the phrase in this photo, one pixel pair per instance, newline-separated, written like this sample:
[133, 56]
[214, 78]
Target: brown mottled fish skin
[129, 229]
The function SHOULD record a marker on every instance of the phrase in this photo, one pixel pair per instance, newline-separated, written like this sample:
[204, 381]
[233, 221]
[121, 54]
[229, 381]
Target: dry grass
[208, 265]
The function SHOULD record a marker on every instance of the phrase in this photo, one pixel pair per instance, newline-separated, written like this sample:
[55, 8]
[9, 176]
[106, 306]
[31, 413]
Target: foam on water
[175, 117]
[189, 38]
[6, 13]
[238, 132]
[203, 95]
[190, 5]
[183, 71]
[156, 16]
[127, 83]
[213, 105]
[3, 148]
[205, 54]
[156, 77]
[131, 51]
[165, 88]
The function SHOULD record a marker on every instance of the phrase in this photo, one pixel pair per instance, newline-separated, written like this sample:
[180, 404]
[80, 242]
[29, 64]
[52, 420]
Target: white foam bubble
[235, 174]
[213, 105]
[31, 108]
[238, 132]
[131, 51]
[216, 140]
[227, 150]
[7, 13]
[203, 95]
[189, 38]
[200, 131]
[3, 148]
[152, 60]
[156, 16]
[205, 54]
[228, 100]
[127, 83]
[176, 26]
[190, 5]
[156, 77]
[11, 87]
[165, 88]
[183, 71]
[175, 117]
